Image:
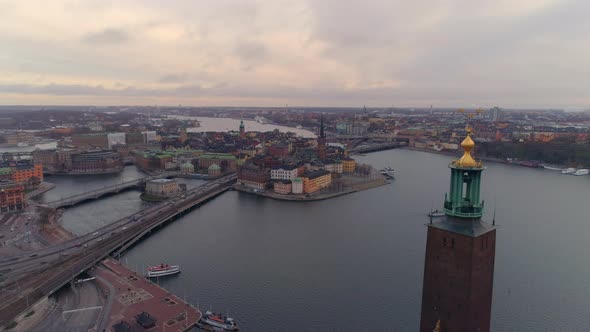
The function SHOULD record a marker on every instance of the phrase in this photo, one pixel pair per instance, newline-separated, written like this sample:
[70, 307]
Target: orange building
[12, 196]
[316, 180]
[24, 172]
[348, 165]
[282, 187]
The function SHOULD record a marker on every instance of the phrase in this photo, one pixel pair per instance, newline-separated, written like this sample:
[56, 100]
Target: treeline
[560, 153]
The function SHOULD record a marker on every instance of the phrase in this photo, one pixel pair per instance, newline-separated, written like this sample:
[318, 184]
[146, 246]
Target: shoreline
[313, 197]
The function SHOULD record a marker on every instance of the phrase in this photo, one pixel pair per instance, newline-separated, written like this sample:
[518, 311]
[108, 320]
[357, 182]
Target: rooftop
[466, 227]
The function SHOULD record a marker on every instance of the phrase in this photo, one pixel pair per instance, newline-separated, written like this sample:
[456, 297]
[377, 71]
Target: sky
[445, 53]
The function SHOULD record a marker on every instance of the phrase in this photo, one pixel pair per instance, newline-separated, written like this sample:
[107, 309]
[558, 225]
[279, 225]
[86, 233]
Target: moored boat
[582, 171]
[220, 321]
[568, 171]
[162, 270]
[552, 167]
[387, 172]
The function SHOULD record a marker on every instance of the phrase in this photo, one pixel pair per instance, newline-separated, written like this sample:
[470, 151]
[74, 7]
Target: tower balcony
[463, 210]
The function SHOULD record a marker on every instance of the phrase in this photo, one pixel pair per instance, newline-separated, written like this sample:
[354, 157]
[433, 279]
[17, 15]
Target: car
[99, 239]
[95, 234]
[85, 245]
[33, 255]
[64, 253]
[124, 228]
[78, 244]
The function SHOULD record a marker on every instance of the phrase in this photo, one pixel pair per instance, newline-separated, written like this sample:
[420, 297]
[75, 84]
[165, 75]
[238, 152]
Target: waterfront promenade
[318, 196]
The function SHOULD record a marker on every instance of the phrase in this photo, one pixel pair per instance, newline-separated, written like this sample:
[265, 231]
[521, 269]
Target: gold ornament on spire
[467, 160]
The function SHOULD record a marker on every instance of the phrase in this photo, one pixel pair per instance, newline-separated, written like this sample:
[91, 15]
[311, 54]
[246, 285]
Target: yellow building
[316, 180]
[348, 165]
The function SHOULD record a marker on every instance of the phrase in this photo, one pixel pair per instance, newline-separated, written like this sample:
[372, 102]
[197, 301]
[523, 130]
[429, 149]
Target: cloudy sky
[512, 53]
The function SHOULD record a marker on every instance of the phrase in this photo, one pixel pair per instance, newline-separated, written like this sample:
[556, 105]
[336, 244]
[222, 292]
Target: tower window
[452, 243]
[444, 242]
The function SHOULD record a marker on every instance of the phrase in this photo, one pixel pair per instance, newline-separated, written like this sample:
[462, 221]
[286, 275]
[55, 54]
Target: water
[355, 263]
[227, 124]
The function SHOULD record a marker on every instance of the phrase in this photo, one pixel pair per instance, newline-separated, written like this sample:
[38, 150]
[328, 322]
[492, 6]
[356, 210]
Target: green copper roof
[217, 156]
[5, 170]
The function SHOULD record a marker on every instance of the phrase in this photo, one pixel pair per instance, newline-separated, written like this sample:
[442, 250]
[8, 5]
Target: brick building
[12, 196]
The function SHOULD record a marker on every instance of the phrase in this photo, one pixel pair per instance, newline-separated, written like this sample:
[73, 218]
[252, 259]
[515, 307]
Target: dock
[134, 295]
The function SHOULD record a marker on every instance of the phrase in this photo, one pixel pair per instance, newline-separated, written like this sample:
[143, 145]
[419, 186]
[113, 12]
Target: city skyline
[525, 55]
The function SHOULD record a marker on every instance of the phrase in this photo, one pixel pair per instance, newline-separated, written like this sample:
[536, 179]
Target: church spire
[322, 126]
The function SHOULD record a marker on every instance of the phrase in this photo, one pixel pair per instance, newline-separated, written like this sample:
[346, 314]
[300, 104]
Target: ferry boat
[568, 171]
[162, 270]
[387, 172]
[220, 321]
[582, 171]
[436, 213]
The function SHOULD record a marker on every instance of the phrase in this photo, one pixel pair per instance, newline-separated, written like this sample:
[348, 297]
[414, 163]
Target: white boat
[568, 171]
[162, 270]
[387, 172]
[220, 321]
[582, 171]
[22, 144]
[552, 167]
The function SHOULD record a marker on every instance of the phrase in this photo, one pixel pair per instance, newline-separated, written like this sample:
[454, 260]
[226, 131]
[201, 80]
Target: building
[494, 114]
[316, 180]
[214, 171]
[187, 168]
[334, 166]
[284, 173]
[348, 165]
[161, 187]
[12, 196]
[226, 161]
[253, 176]
[297, 186]
[149, 137]
[95, 162]
[282, 187]
[322, 140]
[97, 140]
[460, 253]
[24, 172]
[152, 160]
[115, 139]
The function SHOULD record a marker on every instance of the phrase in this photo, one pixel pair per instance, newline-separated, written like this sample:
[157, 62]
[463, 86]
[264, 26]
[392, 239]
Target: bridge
[113, 189]
[49, 269]
[376, 147]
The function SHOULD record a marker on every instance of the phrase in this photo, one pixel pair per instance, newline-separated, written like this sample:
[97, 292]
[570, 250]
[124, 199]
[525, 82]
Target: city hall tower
[460, 252]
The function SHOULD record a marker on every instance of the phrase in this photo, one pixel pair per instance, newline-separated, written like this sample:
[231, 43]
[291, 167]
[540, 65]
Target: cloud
[251, 54]
[328, 52]
[106, 36]
[173, 78]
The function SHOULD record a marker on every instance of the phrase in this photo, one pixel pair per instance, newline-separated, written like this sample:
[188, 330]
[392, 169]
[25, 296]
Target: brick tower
[322, 140]
[460, 252]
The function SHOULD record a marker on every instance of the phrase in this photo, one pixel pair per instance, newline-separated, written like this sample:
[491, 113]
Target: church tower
[460, 253]
[322, 140]
[242, 128]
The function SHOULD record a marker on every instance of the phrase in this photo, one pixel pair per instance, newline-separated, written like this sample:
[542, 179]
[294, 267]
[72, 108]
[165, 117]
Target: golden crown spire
[467, 160]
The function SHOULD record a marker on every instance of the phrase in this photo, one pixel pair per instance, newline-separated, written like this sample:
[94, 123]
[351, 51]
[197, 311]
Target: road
[41, 272]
